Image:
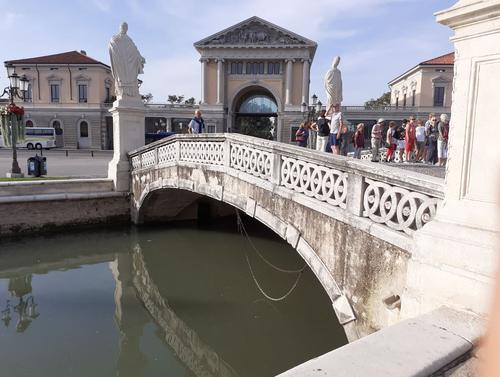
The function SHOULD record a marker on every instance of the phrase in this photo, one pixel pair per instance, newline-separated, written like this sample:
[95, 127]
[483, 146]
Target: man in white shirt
[420, 138]
[336, 124]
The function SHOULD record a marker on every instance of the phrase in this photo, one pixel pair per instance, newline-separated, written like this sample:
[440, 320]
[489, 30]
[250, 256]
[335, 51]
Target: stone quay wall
[35, 206]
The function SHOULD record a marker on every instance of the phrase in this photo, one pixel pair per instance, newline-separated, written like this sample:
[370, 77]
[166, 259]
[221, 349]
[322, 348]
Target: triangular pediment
[255, 32]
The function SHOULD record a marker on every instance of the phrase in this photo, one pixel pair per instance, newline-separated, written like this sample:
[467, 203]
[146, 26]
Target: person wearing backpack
[323, 131]
[442, 142]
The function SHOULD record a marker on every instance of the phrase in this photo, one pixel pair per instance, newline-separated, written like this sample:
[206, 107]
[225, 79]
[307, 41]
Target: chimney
[83, 52]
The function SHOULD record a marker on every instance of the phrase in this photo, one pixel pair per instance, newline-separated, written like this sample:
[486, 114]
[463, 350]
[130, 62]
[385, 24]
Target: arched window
[29, 123]
[258, 103]
[84, 129]
[57, 126]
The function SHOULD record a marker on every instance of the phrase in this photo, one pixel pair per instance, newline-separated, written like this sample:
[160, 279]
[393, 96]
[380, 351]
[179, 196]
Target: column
[169, 124]
[306, 68]
[454, 256]
[220, 81]
[289, 84]
[204, 78]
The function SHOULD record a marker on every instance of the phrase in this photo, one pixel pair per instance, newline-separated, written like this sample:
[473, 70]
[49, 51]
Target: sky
[377, 40]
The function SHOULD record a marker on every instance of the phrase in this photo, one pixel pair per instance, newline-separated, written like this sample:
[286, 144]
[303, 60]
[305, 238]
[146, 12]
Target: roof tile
[441, 60]
[70, 57]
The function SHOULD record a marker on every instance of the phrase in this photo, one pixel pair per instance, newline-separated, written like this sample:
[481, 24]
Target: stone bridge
[352, 221]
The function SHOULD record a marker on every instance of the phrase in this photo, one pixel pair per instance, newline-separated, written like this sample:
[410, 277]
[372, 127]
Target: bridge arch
[352, 224]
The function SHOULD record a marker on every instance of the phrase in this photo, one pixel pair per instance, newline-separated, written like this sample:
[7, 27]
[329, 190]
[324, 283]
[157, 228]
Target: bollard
[92, 153]
[66, 153]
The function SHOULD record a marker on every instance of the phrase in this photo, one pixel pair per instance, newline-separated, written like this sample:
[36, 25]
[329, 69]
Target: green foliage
[383, 100]
[172, 98]
[190, 101]
[147, 98]
[254, 126]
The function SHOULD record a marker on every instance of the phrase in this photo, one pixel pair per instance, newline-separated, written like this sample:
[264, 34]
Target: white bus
[38, 138]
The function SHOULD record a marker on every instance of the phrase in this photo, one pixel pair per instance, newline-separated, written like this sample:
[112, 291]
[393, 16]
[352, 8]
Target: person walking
[302, 135]
[344, 140]
[432, 136]
[400, 140]
[359, 140]
[376, 137]
[323, 131]
[442, 141]
[336, 125]
[420, 138]
[197, 124]
[409, 139]
[391, 141]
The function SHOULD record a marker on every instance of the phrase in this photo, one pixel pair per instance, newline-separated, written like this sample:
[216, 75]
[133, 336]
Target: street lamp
[12, 115]
[311, 112]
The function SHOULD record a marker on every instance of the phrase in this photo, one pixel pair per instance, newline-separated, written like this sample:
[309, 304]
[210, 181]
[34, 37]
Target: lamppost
[310, 113]
[17, 88]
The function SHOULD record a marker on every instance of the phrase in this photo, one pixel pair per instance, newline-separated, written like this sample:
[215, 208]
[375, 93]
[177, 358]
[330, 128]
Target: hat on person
[381, 120]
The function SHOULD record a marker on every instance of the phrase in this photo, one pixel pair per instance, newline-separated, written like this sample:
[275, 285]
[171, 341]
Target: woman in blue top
[302, 134]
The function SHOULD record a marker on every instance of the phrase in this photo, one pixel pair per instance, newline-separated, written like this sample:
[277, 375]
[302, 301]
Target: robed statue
[333, 84]
[126, 63]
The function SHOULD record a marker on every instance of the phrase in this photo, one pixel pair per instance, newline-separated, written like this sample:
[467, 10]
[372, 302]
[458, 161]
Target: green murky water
[159, 301]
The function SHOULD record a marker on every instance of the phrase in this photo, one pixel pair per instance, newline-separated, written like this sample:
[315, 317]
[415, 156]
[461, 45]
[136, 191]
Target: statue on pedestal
[333, 84]
[126, 63]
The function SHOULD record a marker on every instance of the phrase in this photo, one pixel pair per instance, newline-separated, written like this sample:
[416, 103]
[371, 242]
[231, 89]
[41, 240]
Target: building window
[29, 123]
[211, 128]
[273, 68]
[54, 93]
[108, 94]
[57, 126]
[82, 93]
[236, 68]
[404, 100]
[28, 96]
[413, 95]
[397, 102]
[255, 68]
[84, 129]
[439, 96]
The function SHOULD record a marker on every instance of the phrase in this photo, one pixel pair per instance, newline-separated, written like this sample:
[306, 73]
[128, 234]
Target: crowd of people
[412, 139]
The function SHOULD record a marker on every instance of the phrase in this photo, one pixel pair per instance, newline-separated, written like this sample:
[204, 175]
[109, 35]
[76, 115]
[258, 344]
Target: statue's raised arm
[333, 84]
[126, 64]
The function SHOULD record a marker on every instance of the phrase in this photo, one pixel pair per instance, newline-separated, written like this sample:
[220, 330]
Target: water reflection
[20, 287]
[160, 301]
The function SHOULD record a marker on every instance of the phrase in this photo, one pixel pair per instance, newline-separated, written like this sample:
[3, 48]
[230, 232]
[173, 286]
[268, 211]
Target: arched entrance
[256, 113]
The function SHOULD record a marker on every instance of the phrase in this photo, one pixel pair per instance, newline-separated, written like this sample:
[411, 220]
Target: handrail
[403, 200]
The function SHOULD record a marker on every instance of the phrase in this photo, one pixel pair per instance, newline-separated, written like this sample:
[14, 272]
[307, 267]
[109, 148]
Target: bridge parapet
[398, 199]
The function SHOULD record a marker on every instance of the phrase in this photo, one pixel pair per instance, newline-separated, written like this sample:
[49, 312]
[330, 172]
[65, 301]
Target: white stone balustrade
[402, 201]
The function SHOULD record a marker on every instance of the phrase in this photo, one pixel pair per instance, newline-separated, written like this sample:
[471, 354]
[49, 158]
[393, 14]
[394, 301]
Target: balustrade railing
[402, 200]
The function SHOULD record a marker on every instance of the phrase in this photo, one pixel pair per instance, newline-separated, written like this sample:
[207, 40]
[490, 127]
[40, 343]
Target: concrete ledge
[61, 196]
[417, 347]
[22, 188]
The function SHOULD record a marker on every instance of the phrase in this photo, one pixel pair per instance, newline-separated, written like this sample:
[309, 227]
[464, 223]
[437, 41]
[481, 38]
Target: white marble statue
[126, 63]
[333, 84]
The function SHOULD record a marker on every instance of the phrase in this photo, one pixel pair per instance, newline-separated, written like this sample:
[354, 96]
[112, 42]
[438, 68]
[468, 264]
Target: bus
[38, 138]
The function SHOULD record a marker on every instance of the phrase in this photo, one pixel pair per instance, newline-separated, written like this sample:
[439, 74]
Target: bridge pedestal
[128, 134]
[454, 256]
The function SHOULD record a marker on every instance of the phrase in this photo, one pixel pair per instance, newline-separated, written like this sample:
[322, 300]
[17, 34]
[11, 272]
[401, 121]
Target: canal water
[163, 300]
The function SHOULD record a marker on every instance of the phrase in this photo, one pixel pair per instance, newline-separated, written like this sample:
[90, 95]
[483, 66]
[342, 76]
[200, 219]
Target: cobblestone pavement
[435, 171]
[77, 163]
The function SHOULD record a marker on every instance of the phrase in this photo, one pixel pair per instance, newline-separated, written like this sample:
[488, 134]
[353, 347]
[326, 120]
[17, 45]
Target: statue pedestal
[128, 134]
[454, 257]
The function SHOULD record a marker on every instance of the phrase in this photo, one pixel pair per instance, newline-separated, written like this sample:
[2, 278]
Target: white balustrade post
[178, 144]
[276, 168]
[227, 153]
[355, 194]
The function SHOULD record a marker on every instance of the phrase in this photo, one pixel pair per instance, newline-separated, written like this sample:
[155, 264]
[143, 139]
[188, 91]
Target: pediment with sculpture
[254, 33]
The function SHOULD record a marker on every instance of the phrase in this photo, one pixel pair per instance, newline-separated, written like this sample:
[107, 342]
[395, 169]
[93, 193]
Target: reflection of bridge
[352, 221]
[134, 290]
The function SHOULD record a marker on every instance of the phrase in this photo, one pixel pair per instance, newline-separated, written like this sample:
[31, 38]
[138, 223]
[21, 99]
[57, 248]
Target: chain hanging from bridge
[243, 231]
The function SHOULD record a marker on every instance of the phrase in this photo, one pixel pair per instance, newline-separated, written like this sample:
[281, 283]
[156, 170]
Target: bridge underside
[356, 269]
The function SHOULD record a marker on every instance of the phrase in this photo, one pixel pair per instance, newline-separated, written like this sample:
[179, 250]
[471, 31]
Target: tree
[147, 98]
[190, 101]
[383, 100]
[180, 99]
[172, 98]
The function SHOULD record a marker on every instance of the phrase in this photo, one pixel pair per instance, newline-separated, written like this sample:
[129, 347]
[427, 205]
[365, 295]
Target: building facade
[70, 92]
[428, 84]
[255, 76]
